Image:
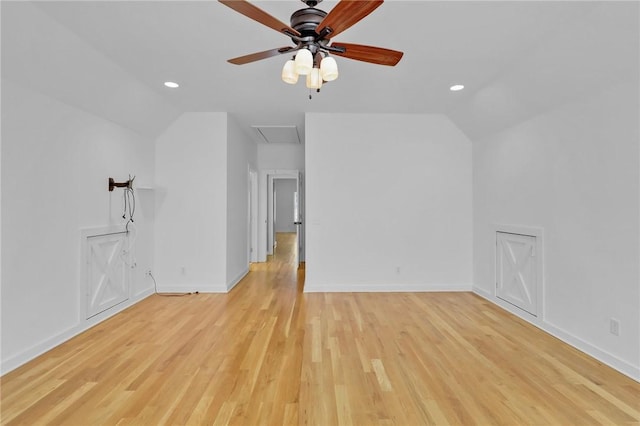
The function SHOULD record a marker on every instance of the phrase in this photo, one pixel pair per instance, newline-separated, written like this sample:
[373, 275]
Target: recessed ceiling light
[171, 84]
[456, 87]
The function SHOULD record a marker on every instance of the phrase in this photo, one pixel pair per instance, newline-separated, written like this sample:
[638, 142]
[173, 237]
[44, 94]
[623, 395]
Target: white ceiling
[515, 58]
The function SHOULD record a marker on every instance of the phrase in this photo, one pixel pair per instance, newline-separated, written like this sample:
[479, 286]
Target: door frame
[265, 198]
[272, 201]
[300, 225]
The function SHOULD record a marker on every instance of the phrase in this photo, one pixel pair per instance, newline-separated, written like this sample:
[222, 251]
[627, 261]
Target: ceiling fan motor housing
[305, 21]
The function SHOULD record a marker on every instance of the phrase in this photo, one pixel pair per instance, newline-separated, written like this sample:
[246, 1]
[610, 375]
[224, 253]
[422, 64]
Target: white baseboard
[237, 279]
[601, 355]
[203, 288]
[38, 349]
[143, 294]
[532, 319]
[192, 288]
[481, 292]
[384, 288]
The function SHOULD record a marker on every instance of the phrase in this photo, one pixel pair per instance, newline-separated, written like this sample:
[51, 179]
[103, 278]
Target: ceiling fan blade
[241, 60]
[374, 55]
[259, 15]
[347, 13]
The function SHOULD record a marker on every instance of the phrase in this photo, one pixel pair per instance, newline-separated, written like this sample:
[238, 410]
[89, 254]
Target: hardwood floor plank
[27, 398]
[266, 353]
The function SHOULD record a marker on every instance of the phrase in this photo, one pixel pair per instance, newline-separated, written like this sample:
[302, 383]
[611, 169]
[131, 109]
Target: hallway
[285, 251]
[266, 353]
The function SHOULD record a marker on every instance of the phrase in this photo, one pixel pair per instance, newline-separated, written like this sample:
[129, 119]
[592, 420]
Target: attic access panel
[279, 134]
[107, 274]
[517, 270]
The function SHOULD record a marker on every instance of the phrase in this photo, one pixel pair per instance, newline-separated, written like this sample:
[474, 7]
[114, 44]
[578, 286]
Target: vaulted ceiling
[516, 59]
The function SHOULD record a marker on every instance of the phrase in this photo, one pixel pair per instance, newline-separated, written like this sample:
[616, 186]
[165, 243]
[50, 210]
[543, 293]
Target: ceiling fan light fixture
[303, 62]
[329, 69]
[314, 79]
[312, 30]
[289, 74]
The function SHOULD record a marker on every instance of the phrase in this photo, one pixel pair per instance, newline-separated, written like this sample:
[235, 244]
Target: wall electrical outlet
[614, 327]
[148, 272]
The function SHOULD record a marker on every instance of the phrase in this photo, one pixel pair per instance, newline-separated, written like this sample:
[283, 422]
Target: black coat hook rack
[125, 184]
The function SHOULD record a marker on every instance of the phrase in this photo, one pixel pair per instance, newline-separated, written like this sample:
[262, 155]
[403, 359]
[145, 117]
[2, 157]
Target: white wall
[191, 200]
[202, 166]
[285, 189]
[572, 171]
[56, 160]
[280, 156]
[385, 192]
[241, 155]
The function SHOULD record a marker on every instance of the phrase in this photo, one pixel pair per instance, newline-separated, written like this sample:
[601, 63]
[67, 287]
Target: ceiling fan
[311, 31]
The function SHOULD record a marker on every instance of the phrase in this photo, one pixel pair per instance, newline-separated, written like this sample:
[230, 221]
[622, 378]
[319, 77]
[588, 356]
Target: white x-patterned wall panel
[517, 277]
[107, 273]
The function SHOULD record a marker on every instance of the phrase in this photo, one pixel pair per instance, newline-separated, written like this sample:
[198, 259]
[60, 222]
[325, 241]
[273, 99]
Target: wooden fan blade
[241, 60]
[259, 15]
[347, 13]
[374, 55]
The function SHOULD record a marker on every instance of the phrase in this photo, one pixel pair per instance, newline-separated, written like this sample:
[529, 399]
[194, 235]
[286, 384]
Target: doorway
[268, 193]
[285, 194]
[285, 197]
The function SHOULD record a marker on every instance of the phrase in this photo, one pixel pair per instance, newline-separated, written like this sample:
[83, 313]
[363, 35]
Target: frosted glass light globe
[329, 69]
[289, 74]
[304, 62]
[314, 80]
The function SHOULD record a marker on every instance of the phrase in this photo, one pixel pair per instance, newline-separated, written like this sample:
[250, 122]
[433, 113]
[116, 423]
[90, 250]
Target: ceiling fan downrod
[306, 22]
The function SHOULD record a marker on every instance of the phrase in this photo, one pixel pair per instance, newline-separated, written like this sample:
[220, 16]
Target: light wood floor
[268, 354]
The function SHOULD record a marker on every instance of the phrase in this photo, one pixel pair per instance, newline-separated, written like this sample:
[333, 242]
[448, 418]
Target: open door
[274, 219]
[299, 218]
[252, 226]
